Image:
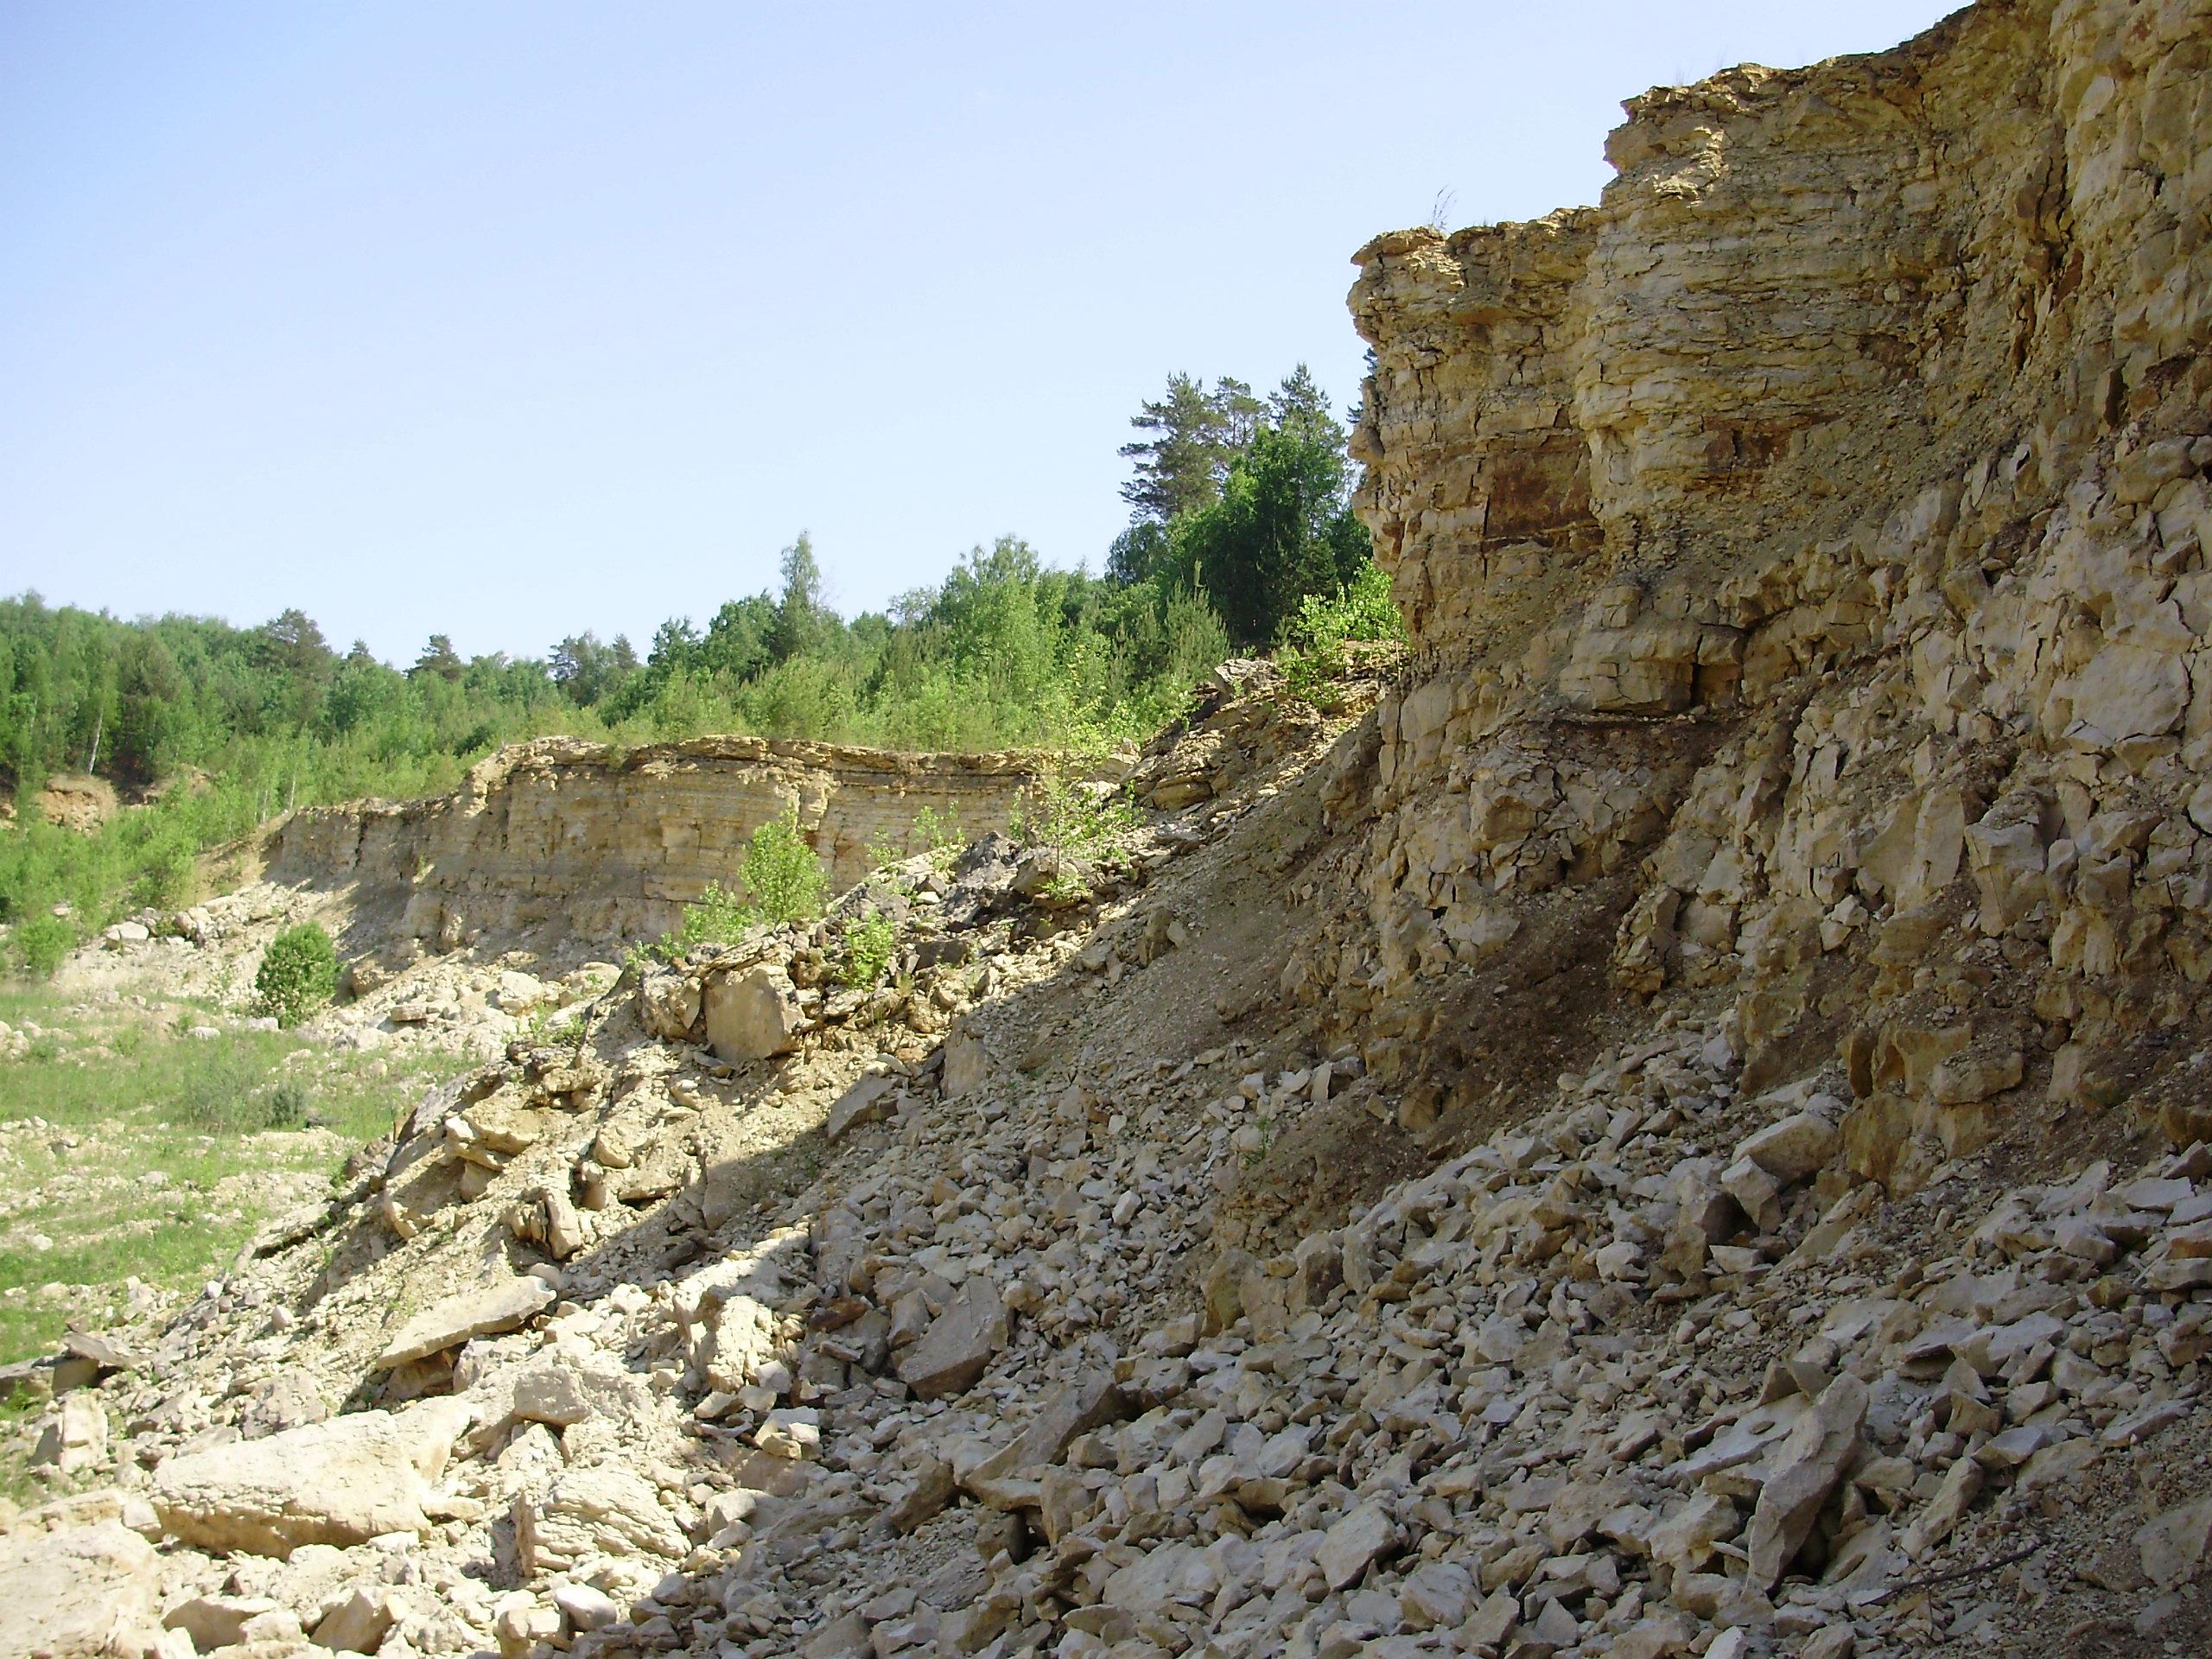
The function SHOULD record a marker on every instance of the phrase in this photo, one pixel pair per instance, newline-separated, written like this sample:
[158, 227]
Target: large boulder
[968, 1062]
[744, 1339]
[1793, 1148]
[668, 1005]
[866, 1101]
[1803, 1472]
[752, 1015]
[75, 1595]
[597, 1510]
[341, 1482]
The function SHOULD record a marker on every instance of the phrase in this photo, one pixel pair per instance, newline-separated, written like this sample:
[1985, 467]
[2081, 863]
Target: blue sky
[507, 319]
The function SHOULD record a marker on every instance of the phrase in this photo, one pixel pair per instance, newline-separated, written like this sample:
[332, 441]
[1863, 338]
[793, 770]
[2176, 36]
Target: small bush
[298, 974]
[869, 945]
[716, 917]
[1075, 817]
[782, 874]
[167, 881]
[285, 1106]
[1315, 638]
[221, 1085]
[42, 942]
[942, 834]
[779, 870]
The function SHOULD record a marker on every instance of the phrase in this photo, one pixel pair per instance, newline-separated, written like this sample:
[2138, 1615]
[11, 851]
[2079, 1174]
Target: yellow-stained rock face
[1807, 292]
[613, 845]
[1804, 550]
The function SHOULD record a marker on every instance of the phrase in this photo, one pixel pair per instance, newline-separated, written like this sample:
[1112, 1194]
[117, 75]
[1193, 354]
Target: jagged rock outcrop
[1804, 547]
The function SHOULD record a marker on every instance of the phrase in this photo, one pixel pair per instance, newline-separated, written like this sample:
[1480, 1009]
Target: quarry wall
[1805, 551]
[611, 845]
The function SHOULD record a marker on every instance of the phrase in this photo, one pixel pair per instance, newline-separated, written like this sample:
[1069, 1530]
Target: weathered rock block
[596, 1510]
[341, 1482]
[75, 1595]
[753, 1014]
[481, 1313]
[956, 1349]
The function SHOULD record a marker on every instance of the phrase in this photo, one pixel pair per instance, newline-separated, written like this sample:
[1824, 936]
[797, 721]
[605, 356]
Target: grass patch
[132, 1150]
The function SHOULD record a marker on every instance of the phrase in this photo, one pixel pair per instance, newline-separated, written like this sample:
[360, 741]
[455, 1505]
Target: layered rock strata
[1804, 547]
[607, 844]
[1681, 1132]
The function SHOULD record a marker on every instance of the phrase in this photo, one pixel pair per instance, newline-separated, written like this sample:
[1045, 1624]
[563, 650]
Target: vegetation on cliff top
[1239, 519]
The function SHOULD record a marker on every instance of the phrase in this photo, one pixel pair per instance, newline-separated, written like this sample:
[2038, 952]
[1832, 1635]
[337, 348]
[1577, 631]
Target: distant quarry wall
[609, 844]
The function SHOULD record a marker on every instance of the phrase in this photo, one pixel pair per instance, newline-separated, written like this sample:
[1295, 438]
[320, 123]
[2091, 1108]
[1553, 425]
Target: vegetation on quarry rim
[1241, 537]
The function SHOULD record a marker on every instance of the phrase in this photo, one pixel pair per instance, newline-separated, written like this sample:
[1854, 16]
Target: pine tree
[438, 657]
[1199, 434]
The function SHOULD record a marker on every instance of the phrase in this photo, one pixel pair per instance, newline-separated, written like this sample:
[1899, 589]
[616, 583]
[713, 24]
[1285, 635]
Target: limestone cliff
[606, 845]
[1805, 550]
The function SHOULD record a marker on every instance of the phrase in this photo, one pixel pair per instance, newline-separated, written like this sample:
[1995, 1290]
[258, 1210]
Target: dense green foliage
[1362, 609]
[1239, 516]
[781, 871]
[1243, 502]
[870, 944]
[1079, 818]
[298, 974]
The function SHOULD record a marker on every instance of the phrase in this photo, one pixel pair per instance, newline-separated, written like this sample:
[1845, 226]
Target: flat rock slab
[864, 1102]
[752, 1015]
[1802, 1473]
[474, 1313]
[968, 1063]
[956, 1349]
[75, 1595]
[342, 1481]
[1794, 1148]
[1078, 1407]
[1357, 1539]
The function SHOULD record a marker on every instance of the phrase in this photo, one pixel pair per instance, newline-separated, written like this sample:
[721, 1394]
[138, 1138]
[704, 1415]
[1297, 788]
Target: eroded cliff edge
[1805, 549]
[1652, 1142]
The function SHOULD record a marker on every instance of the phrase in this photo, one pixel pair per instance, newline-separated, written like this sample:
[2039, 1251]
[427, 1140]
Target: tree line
[1238, 514]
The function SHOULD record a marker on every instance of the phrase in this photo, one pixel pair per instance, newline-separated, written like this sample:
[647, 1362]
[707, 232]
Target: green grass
[235, 1130]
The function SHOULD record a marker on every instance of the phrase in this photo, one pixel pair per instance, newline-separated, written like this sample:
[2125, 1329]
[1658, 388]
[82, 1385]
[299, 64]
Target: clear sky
[508, 320]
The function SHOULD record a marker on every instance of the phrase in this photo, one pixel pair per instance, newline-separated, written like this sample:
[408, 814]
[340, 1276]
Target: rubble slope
[1678, 1130]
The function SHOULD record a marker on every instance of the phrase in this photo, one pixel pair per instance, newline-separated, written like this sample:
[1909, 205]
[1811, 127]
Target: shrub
[286, 1106]
[1075, 817]
[869, 946]
[298, 974]
[167, 881]
[42, 941]
[781, 872]
[221, 1086]
[1362, 609]
[716, 917]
